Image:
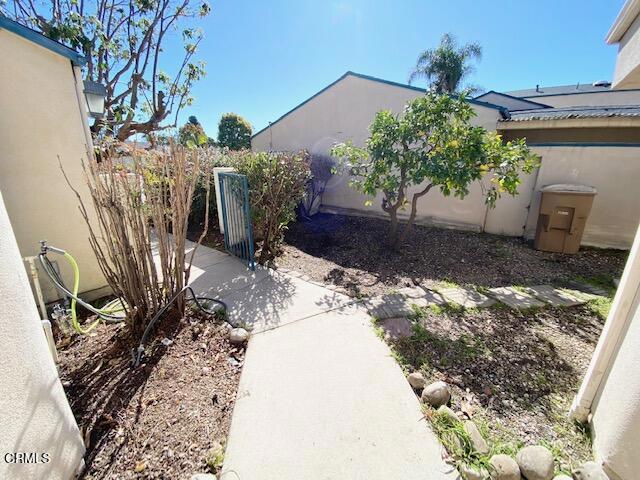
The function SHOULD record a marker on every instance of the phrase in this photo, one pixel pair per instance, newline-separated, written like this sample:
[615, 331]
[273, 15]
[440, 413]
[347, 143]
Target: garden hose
[110, 310]
[136, 354]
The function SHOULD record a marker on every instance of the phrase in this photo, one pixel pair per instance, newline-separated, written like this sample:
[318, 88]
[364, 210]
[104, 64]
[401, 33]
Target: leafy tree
[432, 145]
[124, 42]
[234, 132]
[192, 134]
[446, 66]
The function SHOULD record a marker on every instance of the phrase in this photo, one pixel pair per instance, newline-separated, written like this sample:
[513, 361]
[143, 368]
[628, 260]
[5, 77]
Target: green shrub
[277, 182]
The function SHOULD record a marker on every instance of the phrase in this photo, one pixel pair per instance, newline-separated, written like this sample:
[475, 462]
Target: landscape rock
[203, 476]
[536, 463]
[504, 468]
[238, 336]
[444, 410]
[436, 394]
[479, 444]
[589, 471]
[416, 380]
[562, 477]
[470, 473]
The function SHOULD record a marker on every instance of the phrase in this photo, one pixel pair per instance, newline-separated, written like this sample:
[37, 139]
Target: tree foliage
[447, 65]
[234, 132]
[432, 144]
[124, 42]
[277, 182]
[192, 134]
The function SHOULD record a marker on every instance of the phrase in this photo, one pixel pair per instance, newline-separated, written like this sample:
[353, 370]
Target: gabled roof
[502, 110]
[531, 103]
[39, 39]
[575, 112]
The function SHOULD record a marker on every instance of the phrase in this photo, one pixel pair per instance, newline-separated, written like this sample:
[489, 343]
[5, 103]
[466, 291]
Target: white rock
[562, 477]
[536, 463]
[589, 471]
[436, 394]
[470, 473]
[203, 476]
[504, 468]
[444, 410]
[238, 336]
[479, 444]
[416, 380]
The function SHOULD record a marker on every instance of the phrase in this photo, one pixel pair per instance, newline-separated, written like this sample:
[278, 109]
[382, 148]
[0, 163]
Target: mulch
[160, 420]
[351, 252]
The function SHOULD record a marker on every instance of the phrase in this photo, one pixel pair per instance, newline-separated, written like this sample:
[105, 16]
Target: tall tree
[124, 43]
[234, 132]
[447, 65]
[192, 134]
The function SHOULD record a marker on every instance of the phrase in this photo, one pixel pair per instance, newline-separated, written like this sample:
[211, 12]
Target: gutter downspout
[82, 107]
[611, 337]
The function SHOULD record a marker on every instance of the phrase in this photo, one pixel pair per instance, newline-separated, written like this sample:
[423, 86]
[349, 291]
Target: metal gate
[236, 216]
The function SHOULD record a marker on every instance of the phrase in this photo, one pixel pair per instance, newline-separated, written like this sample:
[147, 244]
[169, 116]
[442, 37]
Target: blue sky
[265, 57]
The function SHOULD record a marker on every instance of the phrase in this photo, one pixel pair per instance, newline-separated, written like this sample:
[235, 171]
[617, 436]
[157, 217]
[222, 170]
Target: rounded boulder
[436, 394]
[536, 463]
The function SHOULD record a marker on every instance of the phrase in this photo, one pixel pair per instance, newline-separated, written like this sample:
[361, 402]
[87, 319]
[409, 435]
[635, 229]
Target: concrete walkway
[320, 396]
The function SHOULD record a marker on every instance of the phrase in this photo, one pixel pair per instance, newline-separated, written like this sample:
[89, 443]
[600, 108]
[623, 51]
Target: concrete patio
[320, 396]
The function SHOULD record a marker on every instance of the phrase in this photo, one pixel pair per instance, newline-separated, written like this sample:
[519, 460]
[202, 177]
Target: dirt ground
[351, 252]
[514, 373]
[160, 420]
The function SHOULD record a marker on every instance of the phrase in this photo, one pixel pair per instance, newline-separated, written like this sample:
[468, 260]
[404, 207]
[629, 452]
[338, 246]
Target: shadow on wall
[61, 458]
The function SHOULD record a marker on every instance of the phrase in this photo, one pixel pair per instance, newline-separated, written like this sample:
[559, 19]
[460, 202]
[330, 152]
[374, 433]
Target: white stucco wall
[627, 72]
[613, 171]
[41, 120]
[34, 413]
[344, 112]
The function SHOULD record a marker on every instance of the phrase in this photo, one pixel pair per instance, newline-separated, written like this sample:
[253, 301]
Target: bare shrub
[142, 202]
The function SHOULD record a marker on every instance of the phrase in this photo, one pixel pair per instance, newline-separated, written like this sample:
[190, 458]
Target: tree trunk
[393, 227]
[412, 217]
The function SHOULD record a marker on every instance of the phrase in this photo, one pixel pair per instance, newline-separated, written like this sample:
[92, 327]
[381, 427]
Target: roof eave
[604, 122]
[39, 39]
[623, 21]
[503, 111]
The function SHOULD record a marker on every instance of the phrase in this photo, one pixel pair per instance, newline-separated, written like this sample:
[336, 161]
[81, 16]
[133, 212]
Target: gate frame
[246, 251]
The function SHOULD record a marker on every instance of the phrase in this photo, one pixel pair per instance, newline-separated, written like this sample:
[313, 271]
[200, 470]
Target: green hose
[112, 307]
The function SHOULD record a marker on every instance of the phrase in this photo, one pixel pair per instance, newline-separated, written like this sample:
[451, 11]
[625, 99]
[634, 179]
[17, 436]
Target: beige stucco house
[43, 127]
[609, 397]
[596, 144]
[43, 117]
